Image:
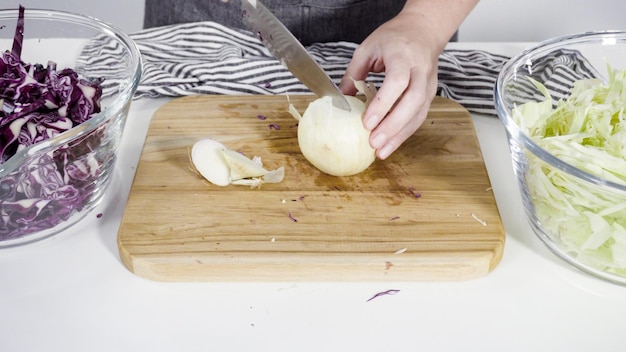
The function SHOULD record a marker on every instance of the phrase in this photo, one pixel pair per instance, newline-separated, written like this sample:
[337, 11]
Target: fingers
[395, 83]
[395, 129]
[403, 118]
[358, 69]
[402, 102]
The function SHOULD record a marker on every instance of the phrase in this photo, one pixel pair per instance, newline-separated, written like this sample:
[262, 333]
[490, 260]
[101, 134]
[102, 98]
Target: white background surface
[71, 292]
[491, 20]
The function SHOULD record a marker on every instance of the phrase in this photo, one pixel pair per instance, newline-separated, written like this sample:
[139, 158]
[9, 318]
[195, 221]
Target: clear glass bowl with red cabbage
[63, 110]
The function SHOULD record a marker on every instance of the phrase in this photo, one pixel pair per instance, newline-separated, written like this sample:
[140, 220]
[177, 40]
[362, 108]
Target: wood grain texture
[311, 226]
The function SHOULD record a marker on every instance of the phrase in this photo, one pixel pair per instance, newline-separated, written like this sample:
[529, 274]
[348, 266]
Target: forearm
[439, 18]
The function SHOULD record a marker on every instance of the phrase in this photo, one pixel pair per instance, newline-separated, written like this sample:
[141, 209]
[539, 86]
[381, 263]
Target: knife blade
[291, 53]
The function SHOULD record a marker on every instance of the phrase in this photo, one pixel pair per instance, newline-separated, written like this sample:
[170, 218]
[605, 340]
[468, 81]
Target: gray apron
[310, 21]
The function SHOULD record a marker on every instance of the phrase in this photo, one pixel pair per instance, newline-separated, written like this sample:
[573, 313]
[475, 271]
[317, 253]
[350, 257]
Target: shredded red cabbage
[37, 103]
[19, 33]
[383, 293]
[414, 193]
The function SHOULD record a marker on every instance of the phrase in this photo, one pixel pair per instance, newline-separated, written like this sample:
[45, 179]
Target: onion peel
[222, 166]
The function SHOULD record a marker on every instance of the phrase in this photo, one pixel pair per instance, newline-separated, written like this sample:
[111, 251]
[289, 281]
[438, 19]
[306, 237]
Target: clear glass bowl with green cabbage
[563, 105]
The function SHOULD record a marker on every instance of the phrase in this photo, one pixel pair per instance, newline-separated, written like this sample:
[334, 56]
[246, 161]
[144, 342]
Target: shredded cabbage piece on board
[588, 131]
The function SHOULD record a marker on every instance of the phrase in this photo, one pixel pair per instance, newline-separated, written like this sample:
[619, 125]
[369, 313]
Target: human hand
[407, 49]
[409, 59]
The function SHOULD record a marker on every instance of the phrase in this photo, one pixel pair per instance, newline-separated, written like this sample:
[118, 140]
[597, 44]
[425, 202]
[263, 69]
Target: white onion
[334, 140]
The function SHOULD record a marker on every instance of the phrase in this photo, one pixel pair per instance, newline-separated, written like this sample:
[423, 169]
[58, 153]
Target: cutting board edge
[474, 265]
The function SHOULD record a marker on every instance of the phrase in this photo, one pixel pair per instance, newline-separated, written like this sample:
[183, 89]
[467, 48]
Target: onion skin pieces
[208, 159]
[222, 166]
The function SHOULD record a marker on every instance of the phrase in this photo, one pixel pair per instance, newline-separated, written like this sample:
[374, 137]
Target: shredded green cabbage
[587, 130]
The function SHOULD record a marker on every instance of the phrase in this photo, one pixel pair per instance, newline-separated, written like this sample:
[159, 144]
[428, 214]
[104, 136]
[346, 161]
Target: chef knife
[291, 53]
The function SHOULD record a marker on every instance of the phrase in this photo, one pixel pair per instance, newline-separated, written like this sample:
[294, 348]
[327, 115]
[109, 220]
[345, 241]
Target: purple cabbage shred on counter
[383, 293]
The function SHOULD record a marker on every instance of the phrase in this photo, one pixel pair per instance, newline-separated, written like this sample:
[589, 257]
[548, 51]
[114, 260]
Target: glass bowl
[577, 211]
[51, 185]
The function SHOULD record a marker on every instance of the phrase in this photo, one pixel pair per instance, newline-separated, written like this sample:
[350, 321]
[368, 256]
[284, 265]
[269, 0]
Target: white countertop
[71, 292]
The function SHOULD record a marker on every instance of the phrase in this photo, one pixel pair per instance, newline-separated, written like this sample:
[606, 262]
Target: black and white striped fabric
[557, 71]
[208, 58]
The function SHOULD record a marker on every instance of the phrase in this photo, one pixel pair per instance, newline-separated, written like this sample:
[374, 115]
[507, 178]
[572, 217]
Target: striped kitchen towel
[208, 58]
[557, 71]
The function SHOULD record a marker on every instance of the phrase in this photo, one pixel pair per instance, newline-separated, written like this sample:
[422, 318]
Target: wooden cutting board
[311, 226]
